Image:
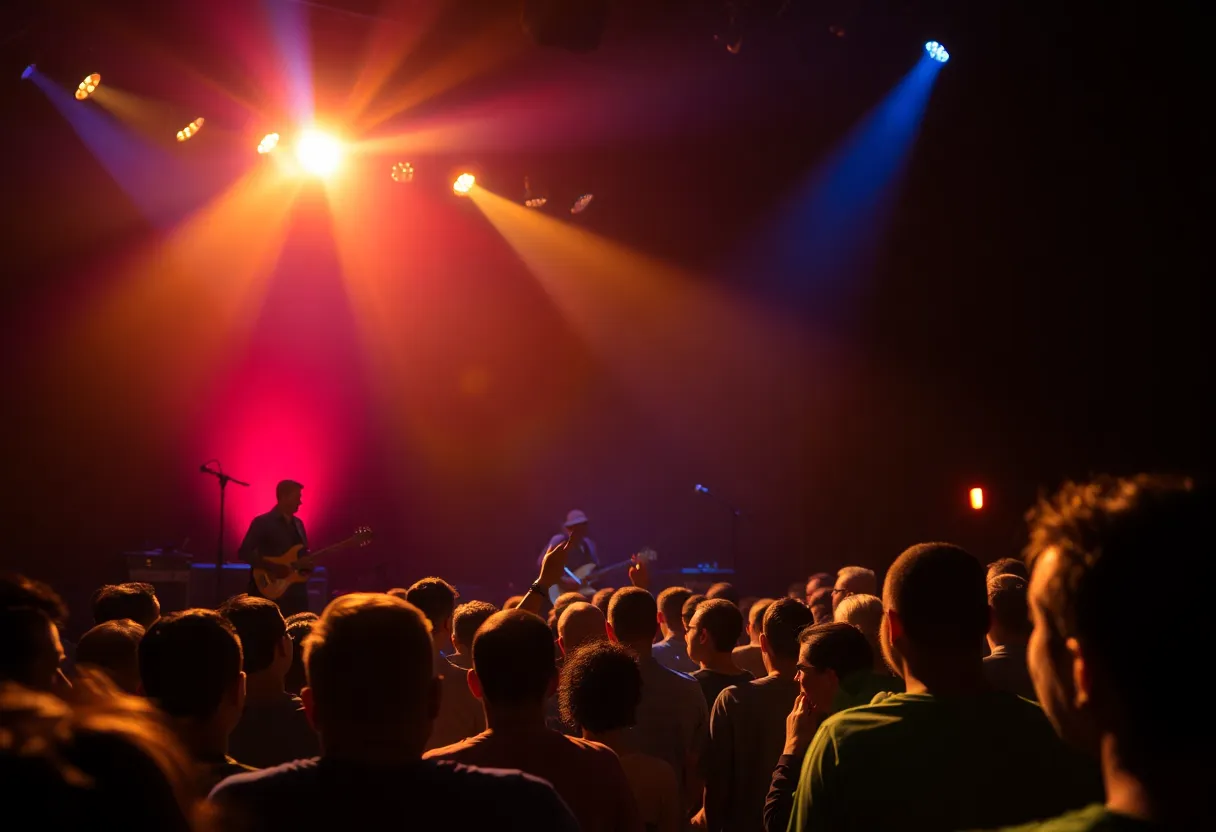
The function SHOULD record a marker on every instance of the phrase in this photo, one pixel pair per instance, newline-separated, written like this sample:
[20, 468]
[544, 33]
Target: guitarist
[581, 550]
[270, 535]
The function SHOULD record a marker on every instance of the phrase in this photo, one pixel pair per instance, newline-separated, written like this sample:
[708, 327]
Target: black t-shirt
[331, 795]
[271, 733]
[713, 683]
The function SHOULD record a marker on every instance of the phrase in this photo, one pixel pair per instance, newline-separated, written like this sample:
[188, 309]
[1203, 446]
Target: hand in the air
[800, 726]
[639, 572]
[553, 567]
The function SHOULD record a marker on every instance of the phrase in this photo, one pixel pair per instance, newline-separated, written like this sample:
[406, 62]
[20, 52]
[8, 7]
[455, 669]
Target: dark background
[1033, 311]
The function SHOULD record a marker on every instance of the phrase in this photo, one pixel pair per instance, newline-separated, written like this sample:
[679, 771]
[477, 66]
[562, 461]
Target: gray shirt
[673, 720]
[746, 738]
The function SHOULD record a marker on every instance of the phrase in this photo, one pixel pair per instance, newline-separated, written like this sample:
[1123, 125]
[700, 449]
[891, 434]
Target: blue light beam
[824, 237]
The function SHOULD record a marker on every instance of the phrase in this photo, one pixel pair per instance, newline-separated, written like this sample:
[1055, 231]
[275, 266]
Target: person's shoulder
[507, 790]
[1095, 818]
[882, 712]
[254, 781]
[597, 751]
[453, 751]
[661, 673]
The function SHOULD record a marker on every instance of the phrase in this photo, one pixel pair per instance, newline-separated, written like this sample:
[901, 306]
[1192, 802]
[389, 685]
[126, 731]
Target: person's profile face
[692, 639]
[1048, 658]
[292, 500]
[818, 685]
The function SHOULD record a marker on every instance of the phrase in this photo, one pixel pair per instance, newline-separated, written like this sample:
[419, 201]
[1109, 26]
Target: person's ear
[895, 627]
[561, 644]
[239, 692]
[285, 647]
[703, 636]
[1082, 679]
[310, 706]
[475, 684]
[612, 634]
[765, 647]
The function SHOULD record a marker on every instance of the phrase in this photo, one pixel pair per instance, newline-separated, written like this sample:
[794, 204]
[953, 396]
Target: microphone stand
[735, 514]
[223, 479]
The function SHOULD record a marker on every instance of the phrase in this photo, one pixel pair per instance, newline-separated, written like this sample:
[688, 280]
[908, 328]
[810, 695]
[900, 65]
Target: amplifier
[158, 567]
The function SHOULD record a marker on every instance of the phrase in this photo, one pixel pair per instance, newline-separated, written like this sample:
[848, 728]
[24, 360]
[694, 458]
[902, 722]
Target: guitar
[587, 574]
[300, 565]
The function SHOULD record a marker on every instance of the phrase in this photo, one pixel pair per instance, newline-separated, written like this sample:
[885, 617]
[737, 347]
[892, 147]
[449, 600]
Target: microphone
[205, 468]
[701, 489]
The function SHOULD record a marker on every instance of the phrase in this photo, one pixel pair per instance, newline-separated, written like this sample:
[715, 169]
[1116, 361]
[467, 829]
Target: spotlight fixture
[86, 87]
[464, 183]
[402, 172]
[581, 204]
[27, 72]
[977, 498]
[937, 52]
[318, 153]
[268, 143]
[190, 129]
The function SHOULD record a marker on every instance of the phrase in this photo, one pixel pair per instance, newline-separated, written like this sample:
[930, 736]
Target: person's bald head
[581, 623]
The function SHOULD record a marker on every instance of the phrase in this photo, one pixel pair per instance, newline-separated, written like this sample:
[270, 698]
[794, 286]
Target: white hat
[575, 518]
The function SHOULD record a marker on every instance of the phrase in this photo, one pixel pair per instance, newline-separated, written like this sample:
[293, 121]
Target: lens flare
[190, 129]
[318, 153]
[268, 143]
[464, 183]
[86, 87]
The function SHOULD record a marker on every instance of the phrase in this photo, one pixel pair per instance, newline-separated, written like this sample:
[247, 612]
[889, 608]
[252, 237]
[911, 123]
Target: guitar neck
[329, 550]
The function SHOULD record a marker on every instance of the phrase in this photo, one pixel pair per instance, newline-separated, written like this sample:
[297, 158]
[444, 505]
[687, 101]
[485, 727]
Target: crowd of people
[1034, 693]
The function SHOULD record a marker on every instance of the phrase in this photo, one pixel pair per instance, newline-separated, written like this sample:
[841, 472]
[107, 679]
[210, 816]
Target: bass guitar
[294, 565]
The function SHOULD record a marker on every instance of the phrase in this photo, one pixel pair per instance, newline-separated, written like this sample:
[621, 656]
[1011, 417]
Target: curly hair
[600, 687]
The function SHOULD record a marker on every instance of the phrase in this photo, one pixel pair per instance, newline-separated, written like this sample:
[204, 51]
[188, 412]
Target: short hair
[20, 592]
[100, 758]
[821, 578]
[690, 607]
[865, 578]
[188, 661]
[940, 592]
[600, 687]
[260, 625]
[468, 618]
[836, 646]
[370, 661]
[112, 645]
[865, 613]
[821, 600]
[671, 603]
[1008, 566]
[633, 615]
[784, 620]
[512, 602]
[286, 487]
[134, 600]
[564, 600]
[580, 623]
[724, 590]
[435, 597]
[602, 598]
[755, 614]
[513, 658]
[722, 620]
[299, 627]
[28, 608]
[1105, 533]
[1007, 597]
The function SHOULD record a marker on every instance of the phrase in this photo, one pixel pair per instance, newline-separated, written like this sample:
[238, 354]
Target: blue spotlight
[29, 70]
[937, 52]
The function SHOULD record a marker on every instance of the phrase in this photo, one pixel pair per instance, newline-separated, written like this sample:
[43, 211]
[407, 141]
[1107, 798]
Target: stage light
[190, 129]
[268, 143]
[533, 199]
[581, 204]
[318, 153]
[464, 183]
[402, 172]
[977, 498]
[937, 52]
[86, 87]
[27, 72]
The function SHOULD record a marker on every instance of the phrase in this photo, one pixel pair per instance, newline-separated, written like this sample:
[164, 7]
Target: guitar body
[584, 577]
[296, 565]
[275, 587]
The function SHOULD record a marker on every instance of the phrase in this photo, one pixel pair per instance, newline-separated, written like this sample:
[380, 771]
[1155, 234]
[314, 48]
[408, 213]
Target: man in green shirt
[1102, 673]
[951, 753]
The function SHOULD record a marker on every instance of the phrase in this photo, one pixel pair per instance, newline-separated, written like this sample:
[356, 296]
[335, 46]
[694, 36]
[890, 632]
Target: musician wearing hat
[582, 548]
